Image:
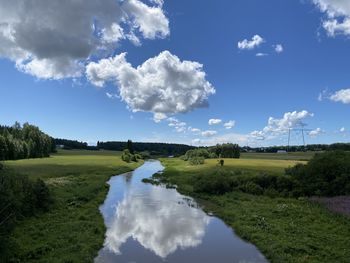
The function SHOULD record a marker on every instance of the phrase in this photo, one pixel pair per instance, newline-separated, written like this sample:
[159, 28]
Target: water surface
[150, 224]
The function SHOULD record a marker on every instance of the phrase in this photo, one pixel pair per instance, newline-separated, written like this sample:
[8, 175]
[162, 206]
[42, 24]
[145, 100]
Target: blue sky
[305, 83]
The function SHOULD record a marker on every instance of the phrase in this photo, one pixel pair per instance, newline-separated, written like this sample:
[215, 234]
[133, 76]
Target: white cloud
[55, 39]
[261, 54]
[279, 48]
[276, 127]
[316, 132]
[162, 84]
[209, 133]
[338, 16]
[246, 44]
[229, 125]
[195, 130]
[179, 126]
[241, 139]
[342, 129]
[342, 95]
[111, 95]
[214, 121]
[158, 117]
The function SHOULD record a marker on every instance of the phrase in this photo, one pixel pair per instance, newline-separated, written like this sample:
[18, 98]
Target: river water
[150, 224]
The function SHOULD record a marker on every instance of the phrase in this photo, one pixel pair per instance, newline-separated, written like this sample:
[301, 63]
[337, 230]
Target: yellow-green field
[73, 229]
[298, 156]
[260, 165]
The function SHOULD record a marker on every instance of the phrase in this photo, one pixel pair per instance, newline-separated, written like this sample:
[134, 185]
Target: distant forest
[300, 148]
[152, 147]
[180, 149]
[21, 142]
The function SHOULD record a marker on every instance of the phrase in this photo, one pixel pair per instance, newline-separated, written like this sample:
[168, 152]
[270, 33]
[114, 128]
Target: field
[73, 229]
[284, 229]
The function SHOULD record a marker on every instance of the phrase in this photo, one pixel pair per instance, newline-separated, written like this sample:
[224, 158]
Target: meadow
[73, 229]
[284, 229]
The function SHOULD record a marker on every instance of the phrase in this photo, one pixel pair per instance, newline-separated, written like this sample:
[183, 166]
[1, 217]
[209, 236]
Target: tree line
[21, 142]
[163, 149]
[300, 148]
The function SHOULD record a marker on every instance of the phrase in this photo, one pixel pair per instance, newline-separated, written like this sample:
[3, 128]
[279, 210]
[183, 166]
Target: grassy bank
[73, 229]
[284, 229]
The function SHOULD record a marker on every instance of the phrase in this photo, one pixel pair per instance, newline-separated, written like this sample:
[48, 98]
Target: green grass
[284, 229]
[73, 229]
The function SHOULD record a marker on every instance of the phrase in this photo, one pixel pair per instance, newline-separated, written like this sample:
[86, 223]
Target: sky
[193, 72]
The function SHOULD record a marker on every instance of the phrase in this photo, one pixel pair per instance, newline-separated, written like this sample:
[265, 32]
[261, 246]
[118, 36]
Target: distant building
[282, 151]
[171, 156]
[59, 146]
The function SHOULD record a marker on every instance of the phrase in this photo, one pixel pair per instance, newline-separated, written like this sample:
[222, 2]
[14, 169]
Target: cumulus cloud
[179, 126]
[214, 121]
[208, 133]
[161, 85]
[229, 125]
[246, 44]
[55, 39]
[276, 127]
[337, 16]
[342, 95]
[278, 48]
[342, 129]
[316, 132]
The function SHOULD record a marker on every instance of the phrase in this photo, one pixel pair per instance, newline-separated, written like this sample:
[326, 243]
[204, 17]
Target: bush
[252, 188]
[42, 195]
[218, 183]
[327, 174]
[196, 160]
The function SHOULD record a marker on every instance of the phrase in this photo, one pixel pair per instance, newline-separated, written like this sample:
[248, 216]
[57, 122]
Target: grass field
[284, 229]
[73, 229]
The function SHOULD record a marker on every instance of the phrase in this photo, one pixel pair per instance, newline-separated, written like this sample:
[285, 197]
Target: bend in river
[147, 223]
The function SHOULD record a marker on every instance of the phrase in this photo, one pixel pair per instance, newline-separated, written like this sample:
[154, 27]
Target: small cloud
[342, 96]
[229, 125]
[209, 133]
[195, 130]
[158, 117]
[316, 132]
[112, 95]
[246, 44]
[261, 54]
[342, 129]
[214, 121]
[278, 48]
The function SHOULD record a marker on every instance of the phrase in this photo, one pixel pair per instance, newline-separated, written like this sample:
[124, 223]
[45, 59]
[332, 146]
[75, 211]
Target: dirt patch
[338, 204]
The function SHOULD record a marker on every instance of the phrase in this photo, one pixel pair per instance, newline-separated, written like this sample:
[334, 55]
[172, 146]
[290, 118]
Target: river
[149, 224]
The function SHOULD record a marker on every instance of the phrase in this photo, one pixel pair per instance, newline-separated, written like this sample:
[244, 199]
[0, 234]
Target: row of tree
[21, 142]
[163, 149]
[300, 148]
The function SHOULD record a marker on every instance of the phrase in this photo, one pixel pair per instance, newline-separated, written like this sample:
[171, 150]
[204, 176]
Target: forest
[22, 142]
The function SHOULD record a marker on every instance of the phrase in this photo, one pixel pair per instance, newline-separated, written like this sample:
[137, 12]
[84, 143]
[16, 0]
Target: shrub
[196, 160]
[326, 174]
[42, 195]
[252, 188]
[218, 183]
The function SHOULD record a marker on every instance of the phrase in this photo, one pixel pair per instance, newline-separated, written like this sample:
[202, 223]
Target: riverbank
[284, 229]
[73, 230]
